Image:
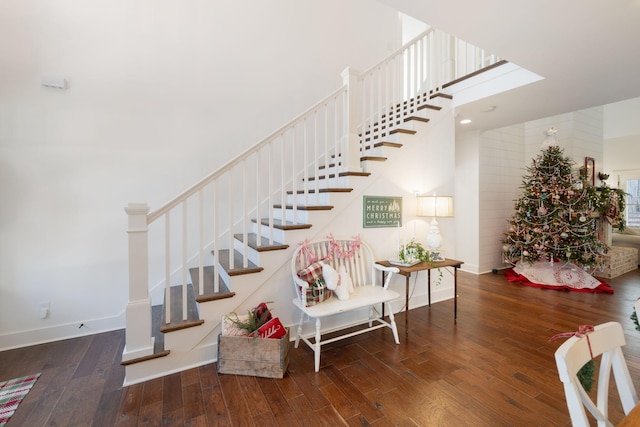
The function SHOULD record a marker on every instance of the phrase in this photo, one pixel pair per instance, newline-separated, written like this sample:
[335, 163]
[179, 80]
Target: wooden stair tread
[324, 190]
[333, 175]
[264, 243]
[405, 131]
[286, 225]
[375, 159]
[430, 107]
[441, 95]
[177, 322]
[382, 144]
[416, 118]
[158, 342]
[155, 355]
[306, 207]
[208, 293]
[225, 262]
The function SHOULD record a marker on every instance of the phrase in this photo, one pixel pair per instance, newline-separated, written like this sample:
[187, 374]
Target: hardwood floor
[493, 367]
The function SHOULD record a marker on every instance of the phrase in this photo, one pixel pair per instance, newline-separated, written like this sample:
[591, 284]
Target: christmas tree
[556, 217]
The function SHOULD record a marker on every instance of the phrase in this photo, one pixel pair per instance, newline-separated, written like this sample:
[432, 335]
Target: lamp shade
[435, 206]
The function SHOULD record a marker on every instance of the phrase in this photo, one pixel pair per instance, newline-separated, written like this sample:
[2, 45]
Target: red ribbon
[333, 250]
[583, 331]
[305, 251]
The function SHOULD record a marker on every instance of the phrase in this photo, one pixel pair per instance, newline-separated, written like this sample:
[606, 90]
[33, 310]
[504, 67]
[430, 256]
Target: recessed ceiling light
[465, 121]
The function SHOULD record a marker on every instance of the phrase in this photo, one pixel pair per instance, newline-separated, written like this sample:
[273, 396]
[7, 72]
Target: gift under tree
[555, 221]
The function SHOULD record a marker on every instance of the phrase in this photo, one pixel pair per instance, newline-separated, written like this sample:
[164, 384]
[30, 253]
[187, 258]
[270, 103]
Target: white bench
[358, 263]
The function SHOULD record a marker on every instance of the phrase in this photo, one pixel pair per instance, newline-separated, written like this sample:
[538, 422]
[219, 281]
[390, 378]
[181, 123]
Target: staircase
[206, 252]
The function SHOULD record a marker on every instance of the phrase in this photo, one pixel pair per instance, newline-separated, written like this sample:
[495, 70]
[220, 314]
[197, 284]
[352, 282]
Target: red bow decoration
[582, 331]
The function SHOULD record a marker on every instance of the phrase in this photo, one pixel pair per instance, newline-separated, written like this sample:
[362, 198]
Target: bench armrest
[299, 282]
[389, 270]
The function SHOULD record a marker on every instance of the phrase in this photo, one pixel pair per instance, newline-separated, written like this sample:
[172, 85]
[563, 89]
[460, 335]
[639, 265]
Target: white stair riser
[298, 216]
[340, 182]
[263, 230]
[252, 254]
[310, 199]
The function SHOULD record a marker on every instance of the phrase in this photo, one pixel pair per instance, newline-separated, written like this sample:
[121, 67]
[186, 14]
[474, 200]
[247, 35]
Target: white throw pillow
[331, 276]
[342, 292]
[345, 279]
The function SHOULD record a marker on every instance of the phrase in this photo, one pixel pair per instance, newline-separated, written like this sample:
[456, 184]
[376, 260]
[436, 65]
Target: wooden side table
[428, 266]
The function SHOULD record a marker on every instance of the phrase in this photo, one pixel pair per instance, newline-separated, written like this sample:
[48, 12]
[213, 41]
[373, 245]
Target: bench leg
[392, 321]
[299, 331]
[317, 347]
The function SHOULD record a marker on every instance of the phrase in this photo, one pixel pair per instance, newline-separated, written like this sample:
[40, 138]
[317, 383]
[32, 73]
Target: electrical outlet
[44, 309]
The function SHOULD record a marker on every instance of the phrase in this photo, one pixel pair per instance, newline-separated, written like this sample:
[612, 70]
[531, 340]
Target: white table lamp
[435, 207]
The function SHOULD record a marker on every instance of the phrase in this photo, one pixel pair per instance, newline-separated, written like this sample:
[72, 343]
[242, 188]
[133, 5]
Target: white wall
[621, 119]
[501, 170]
[159, 94]
[467, 204]
[621, 139]
[621, 154]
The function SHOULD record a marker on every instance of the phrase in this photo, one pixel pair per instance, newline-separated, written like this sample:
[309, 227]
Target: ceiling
[587, 51]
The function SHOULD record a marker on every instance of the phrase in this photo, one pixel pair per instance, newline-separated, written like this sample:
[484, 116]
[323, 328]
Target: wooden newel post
[352, 139]
[139, 341]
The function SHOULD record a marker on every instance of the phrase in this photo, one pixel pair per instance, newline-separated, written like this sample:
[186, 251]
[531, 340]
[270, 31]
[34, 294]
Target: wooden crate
[260, 357]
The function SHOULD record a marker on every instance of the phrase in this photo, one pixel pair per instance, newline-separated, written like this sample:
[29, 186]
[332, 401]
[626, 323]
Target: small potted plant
[412, 253]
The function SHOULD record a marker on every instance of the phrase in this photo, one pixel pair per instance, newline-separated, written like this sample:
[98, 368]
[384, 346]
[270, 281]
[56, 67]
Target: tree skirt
[563, 276]
[11, 394]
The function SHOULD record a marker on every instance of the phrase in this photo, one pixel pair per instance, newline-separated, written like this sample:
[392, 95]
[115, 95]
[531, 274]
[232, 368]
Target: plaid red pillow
[312, 273]
[317, 290]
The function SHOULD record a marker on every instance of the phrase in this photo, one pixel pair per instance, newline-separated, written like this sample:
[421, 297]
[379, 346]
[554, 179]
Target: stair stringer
[197, 346]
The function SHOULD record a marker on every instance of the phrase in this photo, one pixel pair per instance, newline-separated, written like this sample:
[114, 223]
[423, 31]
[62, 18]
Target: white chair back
[607, 340]
[355, 255]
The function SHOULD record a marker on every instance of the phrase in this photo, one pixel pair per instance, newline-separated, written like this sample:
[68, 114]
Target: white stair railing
[195, 228]
[410, 75]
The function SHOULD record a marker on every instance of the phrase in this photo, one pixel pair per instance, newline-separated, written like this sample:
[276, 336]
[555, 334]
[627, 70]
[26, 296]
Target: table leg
[455, 293]
[429, 287]
[406, 310]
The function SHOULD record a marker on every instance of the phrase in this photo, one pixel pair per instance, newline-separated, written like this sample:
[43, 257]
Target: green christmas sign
[381, 211]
